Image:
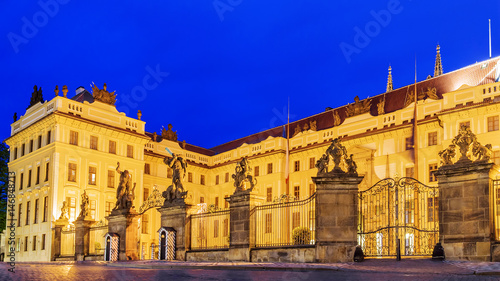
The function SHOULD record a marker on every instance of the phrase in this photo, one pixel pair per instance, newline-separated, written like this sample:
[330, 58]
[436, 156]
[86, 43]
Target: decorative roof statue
[125, 194]
[64, 211]
[175, 192]
[306, 127]
[322, 164]
[65, 91]
[15, 116]
[242, 176]
[297, 130]
[336, 118]
[358, 107]
[409, 98]
[139, 114]
[84, 207]
[312, 124]
[447, 155]
[103, 95]
[36, 96]
[381, 106]
[429, 93]
[169, 134]
[56, 90]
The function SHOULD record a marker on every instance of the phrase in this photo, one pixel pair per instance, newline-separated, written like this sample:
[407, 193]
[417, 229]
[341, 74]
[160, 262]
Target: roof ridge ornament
[389, 81]
[438, 68]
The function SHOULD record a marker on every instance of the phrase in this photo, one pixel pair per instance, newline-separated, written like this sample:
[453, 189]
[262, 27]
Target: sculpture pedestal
[82, 237]
[56, 237]
[176, 216]
[241, 233]
[465, 211]
[337, 216]
[124, 223]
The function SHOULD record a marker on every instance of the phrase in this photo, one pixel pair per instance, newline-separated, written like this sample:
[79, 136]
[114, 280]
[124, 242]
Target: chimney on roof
[438, 68]
[79, 90]
[389, 80]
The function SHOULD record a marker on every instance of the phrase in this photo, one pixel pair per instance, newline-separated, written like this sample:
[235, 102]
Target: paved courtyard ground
[423, 269]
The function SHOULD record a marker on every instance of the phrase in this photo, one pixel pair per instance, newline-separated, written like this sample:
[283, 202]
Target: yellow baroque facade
[63, 147]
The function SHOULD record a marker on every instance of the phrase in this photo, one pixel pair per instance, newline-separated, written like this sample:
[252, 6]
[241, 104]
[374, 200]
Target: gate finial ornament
[465, 140]
[338, 152]
[242, 176]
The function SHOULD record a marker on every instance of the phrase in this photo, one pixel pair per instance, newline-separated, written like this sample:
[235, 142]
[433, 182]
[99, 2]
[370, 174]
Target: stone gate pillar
[124, 222]
[57, 236]
[176, 215]
[241, 234]
[336, 216]
[82, 237]
[465, 210]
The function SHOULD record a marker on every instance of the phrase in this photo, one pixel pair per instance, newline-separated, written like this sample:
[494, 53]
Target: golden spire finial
[438, 68]
[389, 80]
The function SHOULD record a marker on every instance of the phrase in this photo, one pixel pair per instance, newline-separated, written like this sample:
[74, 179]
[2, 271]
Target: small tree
[301, 235]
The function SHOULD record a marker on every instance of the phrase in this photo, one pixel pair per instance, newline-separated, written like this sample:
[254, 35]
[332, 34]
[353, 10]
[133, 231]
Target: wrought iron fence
[97, 241]
[68, 242]
[285, 224]
[210, 230]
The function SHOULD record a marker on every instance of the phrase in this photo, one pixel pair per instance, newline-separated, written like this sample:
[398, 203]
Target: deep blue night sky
[231, 64]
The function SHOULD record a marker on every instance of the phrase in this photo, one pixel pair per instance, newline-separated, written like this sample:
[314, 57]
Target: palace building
[64, 146]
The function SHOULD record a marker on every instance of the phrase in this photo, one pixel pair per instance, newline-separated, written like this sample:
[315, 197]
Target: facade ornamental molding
[103, 95]
[338, 153]
[154, 200]
[466, 141]
[242, 177]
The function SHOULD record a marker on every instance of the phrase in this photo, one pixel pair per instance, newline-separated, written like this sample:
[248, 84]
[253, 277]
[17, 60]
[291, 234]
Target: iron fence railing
[210, 230]
[285, 224]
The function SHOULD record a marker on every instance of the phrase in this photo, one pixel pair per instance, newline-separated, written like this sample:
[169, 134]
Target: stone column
[464, 210]
[336, 216]
[242, 235]
[124, 223]
[82, 237]
[56, 237]
[176, 216]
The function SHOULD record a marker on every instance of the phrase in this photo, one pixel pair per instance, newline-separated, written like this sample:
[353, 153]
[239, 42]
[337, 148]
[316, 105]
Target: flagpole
[287, 173]
[415, 129]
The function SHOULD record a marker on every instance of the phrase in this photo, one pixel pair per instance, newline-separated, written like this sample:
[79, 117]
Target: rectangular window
[269, 194]
[432, 169]
[169, 173]
[256, 171]
[28, 211]
[409, 143]
[270, 168]
[31, 145]
[92, 175]
[72, 207]
[21, 181]
[111, 178]
[47, 165]
[39, 142]
[145, 194]
[312, 189]
[45, 208]
[37, 175]
[72, 172]
[202, 179]
[226, 204]
[226, 177]
[216, 202]
[109, 207]
[432, 139]
[145, 224]
[410, 172]
[29, 178]
[23, 149]
[216, 228]
[130, 151]
[147, 169]
[226, 228]
[26, 243]
[312, 163]
[296, 166]
[493, 123]
[93, 142]
[43, 242]
[269, 223]
[15, 153]
[35, 218]
[216, 179]
[295, 220]
[49, 137]
[73, 138]
[19, 213]
[190, 177]
[202, 200]
[495, 157]
[92, 209]
[112, 147]
[296, 192]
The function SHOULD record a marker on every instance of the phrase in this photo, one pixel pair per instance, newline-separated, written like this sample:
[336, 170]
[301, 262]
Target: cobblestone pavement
[368, 270]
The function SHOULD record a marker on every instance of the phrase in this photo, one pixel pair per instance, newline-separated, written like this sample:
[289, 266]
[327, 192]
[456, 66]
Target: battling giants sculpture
[175, 192]
[125, 194]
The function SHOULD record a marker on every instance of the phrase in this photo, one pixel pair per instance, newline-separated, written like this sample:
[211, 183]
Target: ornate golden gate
[398, 216]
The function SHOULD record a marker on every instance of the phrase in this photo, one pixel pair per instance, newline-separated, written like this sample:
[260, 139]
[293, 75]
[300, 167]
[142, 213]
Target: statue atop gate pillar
[175, 193]
[338, 153]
